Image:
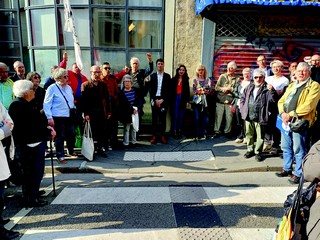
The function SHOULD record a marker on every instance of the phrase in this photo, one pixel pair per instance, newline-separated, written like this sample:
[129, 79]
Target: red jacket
[73, 79]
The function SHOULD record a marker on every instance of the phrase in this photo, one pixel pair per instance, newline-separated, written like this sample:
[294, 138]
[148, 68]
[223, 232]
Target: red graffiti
[246, 56]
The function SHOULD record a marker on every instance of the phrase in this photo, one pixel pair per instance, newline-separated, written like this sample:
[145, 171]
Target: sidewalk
[178, 156]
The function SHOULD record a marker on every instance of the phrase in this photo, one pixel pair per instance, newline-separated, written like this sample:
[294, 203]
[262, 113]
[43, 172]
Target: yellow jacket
[307, 102]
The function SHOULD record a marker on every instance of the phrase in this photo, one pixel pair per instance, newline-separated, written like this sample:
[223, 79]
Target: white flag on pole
[70, 27]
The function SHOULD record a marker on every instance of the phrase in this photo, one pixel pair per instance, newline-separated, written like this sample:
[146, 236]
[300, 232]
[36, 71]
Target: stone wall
[188, 37]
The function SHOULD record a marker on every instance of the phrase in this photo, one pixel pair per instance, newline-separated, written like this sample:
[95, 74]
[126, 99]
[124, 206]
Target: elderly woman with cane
[30, 135]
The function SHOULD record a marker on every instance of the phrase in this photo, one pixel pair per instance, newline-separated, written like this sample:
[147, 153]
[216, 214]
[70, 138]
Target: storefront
[243, 30]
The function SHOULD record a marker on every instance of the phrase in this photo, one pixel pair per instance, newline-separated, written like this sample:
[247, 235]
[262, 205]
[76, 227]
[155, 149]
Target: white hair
[276, 61]
[258, 71]
[3, 65]
[232, 64]
[134, 58]
[20, 87]
[17, 63]
[59, 72]
[304, 64]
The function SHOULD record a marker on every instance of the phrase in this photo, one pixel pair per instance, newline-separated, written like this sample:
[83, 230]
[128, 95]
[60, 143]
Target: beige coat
[4, 132]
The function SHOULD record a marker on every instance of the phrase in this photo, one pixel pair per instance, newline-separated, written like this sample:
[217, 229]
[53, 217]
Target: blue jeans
[201, 118]
[293, 146]
[178, 114]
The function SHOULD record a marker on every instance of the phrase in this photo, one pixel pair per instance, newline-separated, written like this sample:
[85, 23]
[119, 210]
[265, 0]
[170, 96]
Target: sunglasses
[107, 68]
[260, 77]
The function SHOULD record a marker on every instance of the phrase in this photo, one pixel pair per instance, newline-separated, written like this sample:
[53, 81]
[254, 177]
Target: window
[43, 27]
[145, 3]
[116, 59]
[41, 2]
[81, 22]
[109, 2]
[144, 29]
[109, 27]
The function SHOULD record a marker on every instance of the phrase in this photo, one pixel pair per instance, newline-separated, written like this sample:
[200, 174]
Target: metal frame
[90, 7]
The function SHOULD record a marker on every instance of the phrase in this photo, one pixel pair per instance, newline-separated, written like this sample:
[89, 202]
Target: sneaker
[249, 154]
[267, 148]
[238, 140]
[284, 173]
[153, 140]
[294, 179]
[244, 141]
[109, 148]
[274, 151]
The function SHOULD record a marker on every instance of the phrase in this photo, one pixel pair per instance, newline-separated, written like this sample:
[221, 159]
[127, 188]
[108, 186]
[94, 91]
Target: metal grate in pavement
[187, 194]
[185, 156]
[204, 234]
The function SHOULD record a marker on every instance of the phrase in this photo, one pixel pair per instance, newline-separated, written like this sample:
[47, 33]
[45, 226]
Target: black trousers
[159, 115]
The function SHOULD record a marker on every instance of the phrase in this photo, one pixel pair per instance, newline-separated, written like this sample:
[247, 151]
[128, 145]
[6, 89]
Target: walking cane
[52, 170]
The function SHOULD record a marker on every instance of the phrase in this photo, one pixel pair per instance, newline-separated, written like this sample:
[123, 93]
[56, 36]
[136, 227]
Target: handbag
[298, 125]
[87, 148]
[72, 111]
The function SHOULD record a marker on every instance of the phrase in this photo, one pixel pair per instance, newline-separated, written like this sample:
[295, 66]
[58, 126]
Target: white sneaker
[238, 140]
[109, 148]
[244, 141]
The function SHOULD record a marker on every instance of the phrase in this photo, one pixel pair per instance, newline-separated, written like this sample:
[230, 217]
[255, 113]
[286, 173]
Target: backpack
[293, 224]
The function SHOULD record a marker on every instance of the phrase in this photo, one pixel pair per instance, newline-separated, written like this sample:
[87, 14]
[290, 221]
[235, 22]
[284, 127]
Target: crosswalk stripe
[140, 234]
[216, 195]
[184, 156]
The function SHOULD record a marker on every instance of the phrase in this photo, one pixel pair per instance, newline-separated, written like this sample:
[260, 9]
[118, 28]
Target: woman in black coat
[30, 134]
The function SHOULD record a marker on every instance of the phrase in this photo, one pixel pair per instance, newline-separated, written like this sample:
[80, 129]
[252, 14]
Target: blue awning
[202, 4]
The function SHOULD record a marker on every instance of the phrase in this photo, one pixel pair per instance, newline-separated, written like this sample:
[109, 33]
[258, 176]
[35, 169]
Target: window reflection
[8, 18]
[109, 27]
[144, 29]
[81, 17]
[9, 4]
[44, 60]
[145, 3]
[116, 59]
[41, 2]
[109, 2]
[10, 49]
[8, 34]
[43, 27]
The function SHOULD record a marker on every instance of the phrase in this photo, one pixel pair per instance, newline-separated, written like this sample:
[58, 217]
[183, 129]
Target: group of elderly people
[265, 106]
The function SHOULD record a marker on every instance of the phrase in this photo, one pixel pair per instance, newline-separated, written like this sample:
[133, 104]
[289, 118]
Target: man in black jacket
[159, 91]
[256, 102]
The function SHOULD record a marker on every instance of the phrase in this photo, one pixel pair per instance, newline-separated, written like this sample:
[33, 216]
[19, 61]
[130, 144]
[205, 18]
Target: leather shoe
[8, 234]
[294, 179]
[164, 140]
[153, 140]
[37, 203]
[61, 160]
[41, 192]
[284, 173]
[102, 153]
[249, 154]
[258, 157]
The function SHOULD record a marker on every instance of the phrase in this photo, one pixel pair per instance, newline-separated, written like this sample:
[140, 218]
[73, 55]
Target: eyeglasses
[37, 77]
[260, 77]
[107, 68]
